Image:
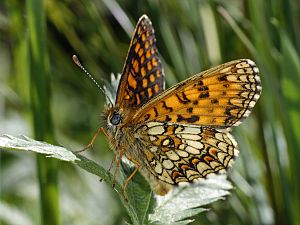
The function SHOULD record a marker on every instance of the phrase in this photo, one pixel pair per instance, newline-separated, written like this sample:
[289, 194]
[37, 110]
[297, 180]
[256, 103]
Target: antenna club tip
[74, 57]
[76, 60]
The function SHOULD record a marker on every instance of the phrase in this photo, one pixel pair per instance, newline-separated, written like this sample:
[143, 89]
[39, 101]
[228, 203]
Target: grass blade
[40, 102]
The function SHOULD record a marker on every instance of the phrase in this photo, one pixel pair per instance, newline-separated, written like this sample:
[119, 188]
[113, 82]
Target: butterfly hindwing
[142, 76]
[219, 97]
[185, 153]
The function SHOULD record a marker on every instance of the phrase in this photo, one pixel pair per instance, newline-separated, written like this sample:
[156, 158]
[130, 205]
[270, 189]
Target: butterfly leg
[138, 167]
[118, 164]
[112, 162]
[111, 165]
[90, 145]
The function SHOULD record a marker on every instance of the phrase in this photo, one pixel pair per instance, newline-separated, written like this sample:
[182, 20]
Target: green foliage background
[45, 96]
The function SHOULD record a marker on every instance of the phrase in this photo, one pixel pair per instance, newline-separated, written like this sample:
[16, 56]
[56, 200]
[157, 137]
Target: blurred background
[44, 95]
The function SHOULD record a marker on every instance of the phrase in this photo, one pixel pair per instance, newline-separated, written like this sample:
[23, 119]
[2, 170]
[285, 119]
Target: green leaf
[24, 143]
[185, 202]
[139, 194]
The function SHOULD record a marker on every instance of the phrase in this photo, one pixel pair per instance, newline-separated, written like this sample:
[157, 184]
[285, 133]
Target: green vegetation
[43, 95]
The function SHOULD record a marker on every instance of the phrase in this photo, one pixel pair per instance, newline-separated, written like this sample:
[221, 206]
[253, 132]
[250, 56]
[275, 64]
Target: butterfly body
[124, 135]
[179, 135]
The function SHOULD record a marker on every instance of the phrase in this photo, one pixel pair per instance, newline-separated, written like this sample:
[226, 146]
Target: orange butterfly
[181, 134]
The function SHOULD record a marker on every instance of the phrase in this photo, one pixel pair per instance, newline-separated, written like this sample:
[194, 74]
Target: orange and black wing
[142, 76]
[219, 97]
[186, 153]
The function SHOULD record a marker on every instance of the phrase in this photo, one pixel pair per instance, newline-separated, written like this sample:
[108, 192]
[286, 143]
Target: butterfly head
[112, 119]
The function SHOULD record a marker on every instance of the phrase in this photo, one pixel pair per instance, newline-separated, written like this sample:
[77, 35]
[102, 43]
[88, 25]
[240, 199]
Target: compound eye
[115, 119]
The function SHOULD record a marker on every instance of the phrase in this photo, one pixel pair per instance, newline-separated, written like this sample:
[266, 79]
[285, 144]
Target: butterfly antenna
[77, 62]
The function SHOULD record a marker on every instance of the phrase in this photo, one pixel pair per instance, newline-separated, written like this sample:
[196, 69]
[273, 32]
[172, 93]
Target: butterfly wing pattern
[219, 97]
[185, 153]
[142, 77]
[182, 134]
[186, 127]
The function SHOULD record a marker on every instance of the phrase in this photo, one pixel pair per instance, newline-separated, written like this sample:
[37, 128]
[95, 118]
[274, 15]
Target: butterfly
[182, 134]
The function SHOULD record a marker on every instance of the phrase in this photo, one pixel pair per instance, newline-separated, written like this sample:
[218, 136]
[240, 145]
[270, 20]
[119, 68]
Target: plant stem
[40, 103]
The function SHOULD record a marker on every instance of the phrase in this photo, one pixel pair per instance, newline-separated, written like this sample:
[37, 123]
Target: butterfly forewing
[142, 76]
[185, 153]
[219, 97]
